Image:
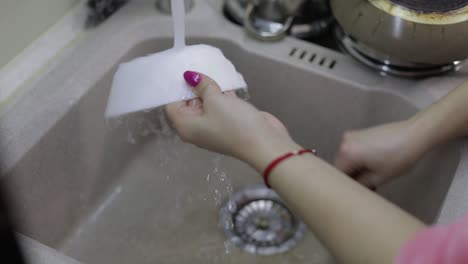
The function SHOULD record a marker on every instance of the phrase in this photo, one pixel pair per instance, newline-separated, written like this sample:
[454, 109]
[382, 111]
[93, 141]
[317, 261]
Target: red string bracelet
[280, 159]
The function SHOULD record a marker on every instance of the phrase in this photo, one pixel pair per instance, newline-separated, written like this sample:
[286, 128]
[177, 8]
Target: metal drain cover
[256, 220]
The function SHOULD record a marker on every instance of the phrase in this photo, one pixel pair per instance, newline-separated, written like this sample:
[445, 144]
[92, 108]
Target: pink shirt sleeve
[438, 245]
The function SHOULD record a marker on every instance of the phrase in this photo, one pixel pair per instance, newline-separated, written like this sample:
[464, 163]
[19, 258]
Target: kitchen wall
[22, 21]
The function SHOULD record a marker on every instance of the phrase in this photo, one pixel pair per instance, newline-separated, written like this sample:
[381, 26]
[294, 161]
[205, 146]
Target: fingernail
[192, 78]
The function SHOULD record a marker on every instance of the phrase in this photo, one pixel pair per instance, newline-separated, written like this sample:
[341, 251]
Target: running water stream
[178, 18]
[143, 126]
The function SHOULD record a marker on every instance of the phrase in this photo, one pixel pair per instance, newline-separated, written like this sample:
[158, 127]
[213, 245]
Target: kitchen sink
[129, 191]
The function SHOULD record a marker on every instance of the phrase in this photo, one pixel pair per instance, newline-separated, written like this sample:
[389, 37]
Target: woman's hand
[379, 154]
[376, 155]
[223, 123]
[335, 208]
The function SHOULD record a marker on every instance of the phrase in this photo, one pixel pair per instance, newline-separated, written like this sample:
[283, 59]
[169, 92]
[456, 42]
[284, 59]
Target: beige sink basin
[129, 191]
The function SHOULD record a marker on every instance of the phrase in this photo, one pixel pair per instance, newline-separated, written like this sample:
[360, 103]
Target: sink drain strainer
[256, 220]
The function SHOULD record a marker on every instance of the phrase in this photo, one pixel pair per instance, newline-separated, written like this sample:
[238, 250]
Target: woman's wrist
[420, 136]
[425, 132]
[265, 151]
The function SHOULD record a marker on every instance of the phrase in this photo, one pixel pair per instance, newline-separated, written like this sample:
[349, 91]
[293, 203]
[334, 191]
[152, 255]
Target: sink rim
[21, 134]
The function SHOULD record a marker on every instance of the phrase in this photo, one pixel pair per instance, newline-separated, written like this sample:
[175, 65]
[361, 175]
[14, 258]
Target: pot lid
[432, 6]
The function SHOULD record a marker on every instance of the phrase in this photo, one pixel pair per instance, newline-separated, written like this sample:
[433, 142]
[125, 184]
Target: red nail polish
[192, 78]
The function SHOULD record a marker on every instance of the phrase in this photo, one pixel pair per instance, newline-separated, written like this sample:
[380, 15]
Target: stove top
[318, 31]
[334, 38]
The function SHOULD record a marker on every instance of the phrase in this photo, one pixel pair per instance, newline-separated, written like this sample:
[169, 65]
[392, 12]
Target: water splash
[232, 206]
[142, 125]
[130, 138]
[228, 224]
[227, 246]
[217, 197]
[155, 125]
[243, 94]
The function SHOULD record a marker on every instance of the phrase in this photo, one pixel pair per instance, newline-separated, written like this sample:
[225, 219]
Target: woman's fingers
[230, 93]
[188, 116]
[347, 165]
[357, 172]
[185, 118]
[195, 105]
[346, 162]
[369, 179]
[174, 109]
[203, 85]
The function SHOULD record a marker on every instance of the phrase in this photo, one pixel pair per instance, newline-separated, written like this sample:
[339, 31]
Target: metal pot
[431, 32]
[276, 16]
[274, 19]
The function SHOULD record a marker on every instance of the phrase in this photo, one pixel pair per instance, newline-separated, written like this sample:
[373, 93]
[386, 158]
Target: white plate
[157, 79]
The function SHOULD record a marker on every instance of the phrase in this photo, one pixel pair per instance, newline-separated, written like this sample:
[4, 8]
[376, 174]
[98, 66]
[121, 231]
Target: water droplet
[228, 224]
[145, 132]
[130, 138]
[232, 206]
[227, 246]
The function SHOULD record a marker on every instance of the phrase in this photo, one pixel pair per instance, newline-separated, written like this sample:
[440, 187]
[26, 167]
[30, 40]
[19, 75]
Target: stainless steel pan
[274, 19]
[417, 31]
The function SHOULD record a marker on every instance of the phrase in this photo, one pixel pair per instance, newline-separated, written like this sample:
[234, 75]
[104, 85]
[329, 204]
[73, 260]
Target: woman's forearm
[355, 224]
[444, 120]
[328, 200]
